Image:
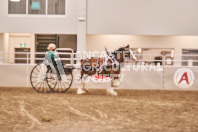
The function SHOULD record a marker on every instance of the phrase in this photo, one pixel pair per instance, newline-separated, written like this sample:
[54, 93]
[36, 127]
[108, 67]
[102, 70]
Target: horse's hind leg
[80, 90]
[115, 83]
[111, 91]
[84, 83]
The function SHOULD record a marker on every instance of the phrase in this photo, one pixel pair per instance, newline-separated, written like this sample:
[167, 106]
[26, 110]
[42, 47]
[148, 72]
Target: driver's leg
[53, 68]
[61, 71]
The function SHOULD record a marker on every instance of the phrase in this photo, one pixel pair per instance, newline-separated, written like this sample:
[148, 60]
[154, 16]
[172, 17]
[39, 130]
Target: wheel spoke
[46, 86]
[39, 87]
[57, 86]
[34, 77]
[37, 84]
[35, 73]
[64, 85]
[61, 86]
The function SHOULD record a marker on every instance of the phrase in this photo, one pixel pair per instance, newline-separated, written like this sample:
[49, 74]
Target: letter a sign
[184, 78]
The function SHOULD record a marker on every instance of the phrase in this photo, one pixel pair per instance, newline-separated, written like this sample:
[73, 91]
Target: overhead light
[139, 50]
[15, 0]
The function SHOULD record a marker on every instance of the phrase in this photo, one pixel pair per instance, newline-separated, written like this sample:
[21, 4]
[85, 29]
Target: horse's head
[124, 53]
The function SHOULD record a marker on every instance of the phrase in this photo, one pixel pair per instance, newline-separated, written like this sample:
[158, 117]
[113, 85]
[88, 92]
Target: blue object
[35, 6]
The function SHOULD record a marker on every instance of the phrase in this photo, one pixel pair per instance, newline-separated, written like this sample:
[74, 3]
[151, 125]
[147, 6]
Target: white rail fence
[5, 58]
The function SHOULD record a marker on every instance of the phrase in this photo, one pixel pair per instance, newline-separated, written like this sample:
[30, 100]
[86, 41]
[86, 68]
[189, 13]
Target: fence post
[27, 79]
[163, 65]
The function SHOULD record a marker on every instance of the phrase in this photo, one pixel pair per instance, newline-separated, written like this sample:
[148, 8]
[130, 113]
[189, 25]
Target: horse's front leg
[115, 82]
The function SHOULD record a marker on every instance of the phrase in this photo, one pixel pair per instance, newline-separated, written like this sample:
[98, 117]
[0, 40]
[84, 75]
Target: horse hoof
[80, 91]
[86, 89]
[111, 92]
[115, 94]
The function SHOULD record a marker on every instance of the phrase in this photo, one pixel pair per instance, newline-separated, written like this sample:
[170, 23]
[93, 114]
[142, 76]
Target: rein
[109, 56]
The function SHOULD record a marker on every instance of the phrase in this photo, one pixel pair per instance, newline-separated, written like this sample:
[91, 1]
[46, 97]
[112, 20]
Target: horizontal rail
[74, 57]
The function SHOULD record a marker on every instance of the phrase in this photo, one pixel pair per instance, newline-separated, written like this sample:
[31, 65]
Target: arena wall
[14, 75]
[133, 80]
[169, 79]
[19, 75]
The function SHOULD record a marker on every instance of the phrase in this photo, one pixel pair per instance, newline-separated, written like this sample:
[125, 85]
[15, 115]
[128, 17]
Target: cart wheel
[56, 84]
[38, 78]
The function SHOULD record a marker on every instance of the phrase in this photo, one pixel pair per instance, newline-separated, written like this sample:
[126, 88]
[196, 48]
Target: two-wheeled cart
[43, 80]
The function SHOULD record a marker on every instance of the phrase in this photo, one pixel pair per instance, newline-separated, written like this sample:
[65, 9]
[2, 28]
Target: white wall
[81, 25]
[39, 24]
[143, 17]
[1, 42]
[135, 17]
[1, 46]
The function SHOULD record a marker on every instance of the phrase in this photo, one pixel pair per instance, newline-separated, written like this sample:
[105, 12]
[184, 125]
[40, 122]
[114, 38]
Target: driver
[54, 60]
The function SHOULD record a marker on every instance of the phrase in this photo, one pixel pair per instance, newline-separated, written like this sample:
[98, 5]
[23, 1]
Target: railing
[6, 59]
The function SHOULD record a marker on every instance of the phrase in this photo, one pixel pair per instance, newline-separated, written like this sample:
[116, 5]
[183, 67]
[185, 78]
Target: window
[56, 7]
[190, 57]
[39, 7]
[16, 6]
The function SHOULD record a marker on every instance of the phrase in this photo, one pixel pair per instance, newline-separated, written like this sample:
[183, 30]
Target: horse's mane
[120, 49]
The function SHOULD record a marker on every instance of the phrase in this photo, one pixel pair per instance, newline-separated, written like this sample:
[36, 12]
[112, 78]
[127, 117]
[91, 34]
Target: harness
[110, 57]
